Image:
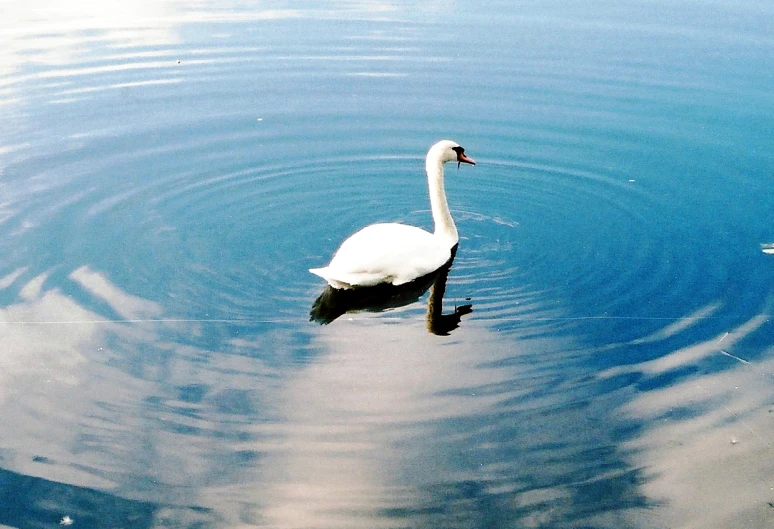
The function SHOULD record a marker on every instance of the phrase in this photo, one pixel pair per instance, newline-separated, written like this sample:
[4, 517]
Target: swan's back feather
[385, 253]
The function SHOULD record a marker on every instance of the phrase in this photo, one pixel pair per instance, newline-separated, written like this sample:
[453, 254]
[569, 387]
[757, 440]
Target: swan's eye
[459, 150]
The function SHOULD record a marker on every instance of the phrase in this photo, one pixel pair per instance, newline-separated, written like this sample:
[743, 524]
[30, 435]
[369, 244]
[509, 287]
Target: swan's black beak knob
[462, 157]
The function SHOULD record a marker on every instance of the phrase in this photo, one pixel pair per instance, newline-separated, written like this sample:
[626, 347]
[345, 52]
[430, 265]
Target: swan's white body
[397, 253]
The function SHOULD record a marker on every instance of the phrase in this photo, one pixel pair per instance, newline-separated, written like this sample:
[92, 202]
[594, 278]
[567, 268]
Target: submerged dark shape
[333, 303]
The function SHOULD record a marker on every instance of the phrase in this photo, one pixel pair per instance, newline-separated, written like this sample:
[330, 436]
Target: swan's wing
[385, 253]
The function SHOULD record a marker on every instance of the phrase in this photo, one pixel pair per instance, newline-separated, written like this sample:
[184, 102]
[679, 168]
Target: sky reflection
[389, 424]
[706, 444]
[384, 422]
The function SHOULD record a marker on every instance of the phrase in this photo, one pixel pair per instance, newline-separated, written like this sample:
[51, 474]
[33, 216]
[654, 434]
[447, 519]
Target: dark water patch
[31, 502]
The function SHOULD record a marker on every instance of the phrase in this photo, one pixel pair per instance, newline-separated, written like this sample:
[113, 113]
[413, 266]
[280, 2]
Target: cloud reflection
[381, 424]
[707, 443]
[391, 426]
[34, 353]
[129, 307]
[73, 416]
[61, 29]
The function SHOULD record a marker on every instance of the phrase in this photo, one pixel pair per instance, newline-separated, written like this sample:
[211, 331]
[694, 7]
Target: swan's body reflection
[332, 302]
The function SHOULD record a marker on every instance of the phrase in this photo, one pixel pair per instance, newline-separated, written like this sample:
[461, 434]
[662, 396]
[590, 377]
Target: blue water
[170, 171]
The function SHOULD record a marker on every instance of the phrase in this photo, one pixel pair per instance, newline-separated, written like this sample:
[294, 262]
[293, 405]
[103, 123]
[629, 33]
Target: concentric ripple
[198, 193]
[542, 244]
[558, 245]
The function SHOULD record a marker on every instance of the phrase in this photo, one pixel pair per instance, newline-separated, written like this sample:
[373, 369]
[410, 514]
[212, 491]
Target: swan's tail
[325, 273]
[322, 272]
[346, 280]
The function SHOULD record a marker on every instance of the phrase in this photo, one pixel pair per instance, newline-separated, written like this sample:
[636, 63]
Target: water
[171, 170]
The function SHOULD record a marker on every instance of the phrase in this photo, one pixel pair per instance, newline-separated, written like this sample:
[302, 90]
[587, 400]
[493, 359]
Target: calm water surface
[170, 170]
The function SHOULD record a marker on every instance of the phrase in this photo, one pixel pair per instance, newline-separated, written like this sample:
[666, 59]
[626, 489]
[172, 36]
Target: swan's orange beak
[462, 158]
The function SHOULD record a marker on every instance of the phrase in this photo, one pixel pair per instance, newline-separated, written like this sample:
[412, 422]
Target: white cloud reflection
[41, 38]
[389, 423]
[89, 401]
[356, 421]
[382, 419]
[707, 446]
[32, 351]
[128, 306]
[47, 32]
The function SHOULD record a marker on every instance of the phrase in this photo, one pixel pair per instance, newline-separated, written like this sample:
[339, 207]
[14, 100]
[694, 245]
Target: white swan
[397, 253]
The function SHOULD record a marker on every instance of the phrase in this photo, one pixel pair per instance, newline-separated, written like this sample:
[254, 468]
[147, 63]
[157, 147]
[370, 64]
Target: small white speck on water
[734, 441]
[66, 520]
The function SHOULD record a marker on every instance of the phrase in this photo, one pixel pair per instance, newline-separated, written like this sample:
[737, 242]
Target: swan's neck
[444, 224]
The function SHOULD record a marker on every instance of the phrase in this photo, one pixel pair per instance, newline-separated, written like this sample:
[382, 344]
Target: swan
[395, 253]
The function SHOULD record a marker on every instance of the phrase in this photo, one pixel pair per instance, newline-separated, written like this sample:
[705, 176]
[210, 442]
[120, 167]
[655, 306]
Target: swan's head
[449, 151]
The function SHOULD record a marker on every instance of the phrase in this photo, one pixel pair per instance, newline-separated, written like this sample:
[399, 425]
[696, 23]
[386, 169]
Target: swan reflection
[333, 302]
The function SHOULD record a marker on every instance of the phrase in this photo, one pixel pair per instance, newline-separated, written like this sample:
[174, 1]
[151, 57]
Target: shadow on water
[333, 303]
